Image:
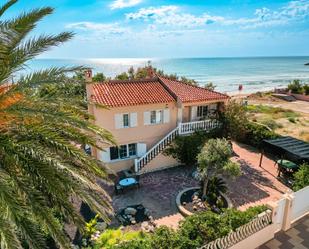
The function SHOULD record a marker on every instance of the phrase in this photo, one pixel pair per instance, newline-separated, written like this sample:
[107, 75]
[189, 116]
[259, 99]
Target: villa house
[146, 115]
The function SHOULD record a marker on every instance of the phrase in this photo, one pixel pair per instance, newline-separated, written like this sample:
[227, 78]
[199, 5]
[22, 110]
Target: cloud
[120, 4]
[171, 15]
[99, 28]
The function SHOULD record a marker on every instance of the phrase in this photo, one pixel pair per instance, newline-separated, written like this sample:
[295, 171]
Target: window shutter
[166, 115]
[141, 149]
[146, 118]
[118, 121]
[105, 155]
[193, 113]
[133, 119]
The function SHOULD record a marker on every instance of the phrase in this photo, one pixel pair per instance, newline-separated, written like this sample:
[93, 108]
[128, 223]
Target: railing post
[179, 128]
[287, 218]
[136, 165]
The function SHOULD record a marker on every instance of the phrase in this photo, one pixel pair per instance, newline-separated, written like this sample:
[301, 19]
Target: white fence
[285, 212]
[278, 221]
[300, 205]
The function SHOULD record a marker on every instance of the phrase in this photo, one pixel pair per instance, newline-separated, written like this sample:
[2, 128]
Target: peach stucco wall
[160, 162]
[148, 134]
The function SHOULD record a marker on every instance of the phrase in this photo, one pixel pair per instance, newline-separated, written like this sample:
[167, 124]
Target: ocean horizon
[227, 73]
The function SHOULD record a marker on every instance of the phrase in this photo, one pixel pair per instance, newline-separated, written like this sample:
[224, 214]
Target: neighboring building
[144, 116]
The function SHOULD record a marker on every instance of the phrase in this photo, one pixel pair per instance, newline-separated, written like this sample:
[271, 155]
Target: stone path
[295, 238]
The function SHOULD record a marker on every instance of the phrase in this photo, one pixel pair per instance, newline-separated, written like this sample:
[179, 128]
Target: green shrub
[272, 124]
[296, 87]
[112, 237]
[292, 120]
[207, 226]
[301, 177]
[256, 133]
[193, 232]
[186, 148]
[306, 89]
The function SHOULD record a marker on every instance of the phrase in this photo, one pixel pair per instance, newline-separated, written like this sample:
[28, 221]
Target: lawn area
[283, 121]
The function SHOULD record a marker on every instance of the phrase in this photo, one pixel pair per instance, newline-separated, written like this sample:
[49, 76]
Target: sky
[174, 28]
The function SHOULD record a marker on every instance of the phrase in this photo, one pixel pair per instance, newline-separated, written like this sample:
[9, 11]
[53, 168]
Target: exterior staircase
[182, 129]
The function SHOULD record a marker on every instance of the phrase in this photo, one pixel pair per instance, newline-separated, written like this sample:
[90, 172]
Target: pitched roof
[116, 93]
[130, 92]
[189, 93]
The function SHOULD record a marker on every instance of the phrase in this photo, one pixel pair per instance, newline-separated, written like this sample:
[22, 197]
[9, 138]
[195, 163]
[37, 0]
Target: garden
[193, 232]
[209, 215]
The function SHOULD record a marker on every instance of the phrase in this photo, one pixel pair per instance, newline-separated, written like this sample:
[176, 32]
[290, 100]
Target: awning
[288, 148]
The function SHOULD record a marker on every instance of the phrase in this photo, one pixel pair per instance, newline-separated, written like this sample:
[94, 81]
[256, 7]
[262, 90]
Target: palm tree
[41, 165]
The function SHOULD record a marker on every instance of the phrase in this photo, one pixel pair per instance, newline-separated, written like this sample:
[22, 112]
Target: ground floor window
[202, 111]
[122, 151]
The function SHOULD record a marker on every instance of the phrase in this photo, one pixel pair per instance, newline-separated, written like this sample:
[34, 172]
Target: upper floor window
[125, 120]
[202, 111]
[156, 117]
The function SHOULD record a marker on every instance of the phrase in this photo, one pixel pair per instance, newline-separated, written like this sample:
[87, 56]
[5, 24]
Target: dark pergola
[289, 148]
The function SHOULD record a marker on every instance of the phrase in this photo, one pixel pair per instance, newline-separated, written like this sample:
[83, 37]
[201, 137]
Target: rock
[194, 208]
[130, 211]
[101, 226]
[147, 212]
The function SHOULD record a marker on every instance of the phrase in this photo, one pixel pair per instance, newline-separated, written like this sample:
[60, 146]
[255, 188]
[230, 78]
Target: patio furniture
[126, 183]
[286, 167]
[133, 214]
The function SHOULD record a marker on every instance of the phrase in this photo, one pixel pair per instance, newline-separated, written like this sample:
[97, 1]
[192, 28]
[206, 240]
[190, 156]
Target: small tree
[214, 159]
[99, 77]
[301, 177]
[210, 86]
[234, 119]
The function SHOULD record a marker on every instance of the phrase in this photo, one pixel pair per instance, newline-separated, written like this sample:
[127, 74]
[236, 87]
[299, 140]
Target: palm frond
[6, 6]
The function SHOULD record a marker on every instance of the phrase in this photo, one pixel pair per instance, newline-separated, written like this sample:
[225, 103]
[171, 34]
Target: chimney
[88, 75]
[150, 72]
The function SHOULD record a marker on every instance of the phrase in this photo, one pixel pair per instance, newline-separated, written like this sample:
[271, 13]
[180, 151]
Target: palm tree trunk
[205, 183]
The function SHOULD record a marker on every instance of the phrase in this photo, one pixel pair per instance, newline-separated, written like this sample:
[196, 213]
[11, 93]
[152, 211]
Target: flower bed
[189, 202]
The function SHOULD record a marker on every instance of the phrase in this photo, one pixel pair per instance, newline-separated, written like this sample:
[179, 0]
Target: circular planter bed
[188, 202]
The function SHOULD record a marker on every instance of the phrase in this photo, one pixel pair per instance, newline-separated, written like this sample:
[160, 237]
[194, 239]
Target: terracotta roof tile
[118, 93]
[128, 93]
[188, 93]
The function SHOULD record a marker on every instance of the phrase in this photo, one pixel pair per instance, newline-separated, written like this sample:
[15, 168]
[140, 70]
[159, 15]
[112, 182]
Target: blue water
[255, 74]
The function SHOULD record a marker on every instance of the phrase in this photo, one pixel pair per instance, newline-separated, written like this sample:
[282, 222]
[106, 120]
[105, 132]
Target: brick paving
[295, 238]
[159, 189]
[257, 185]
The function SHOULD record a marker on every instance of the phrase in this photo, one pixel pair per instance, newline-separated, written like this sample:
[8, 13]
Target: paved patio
[295, 238]
[257, 185]
[159, 189]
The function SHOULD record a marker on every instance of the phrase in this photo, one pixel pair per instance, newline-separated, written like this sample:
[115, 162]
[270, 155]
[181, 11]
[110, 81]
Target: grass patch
[292, 120]
[272, 124]
[274, 112]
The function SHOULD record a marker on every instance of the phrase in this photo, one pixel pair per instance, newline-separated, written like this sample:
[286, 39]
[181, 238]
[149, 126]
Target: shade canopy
[288, 148]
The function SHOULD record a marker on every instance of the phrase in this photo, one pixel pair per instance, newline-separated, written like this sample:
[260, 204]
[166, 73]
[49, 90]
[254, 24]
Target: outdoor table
[127, 182]
[286, 166]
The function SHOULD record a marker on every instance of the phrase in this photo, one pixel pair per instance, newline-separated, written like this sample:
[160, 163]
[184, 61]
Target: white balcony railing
[182, 129]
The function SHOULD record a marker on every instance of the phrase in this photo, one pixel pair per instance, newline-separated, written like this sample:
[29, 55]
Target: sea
[253, 73]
